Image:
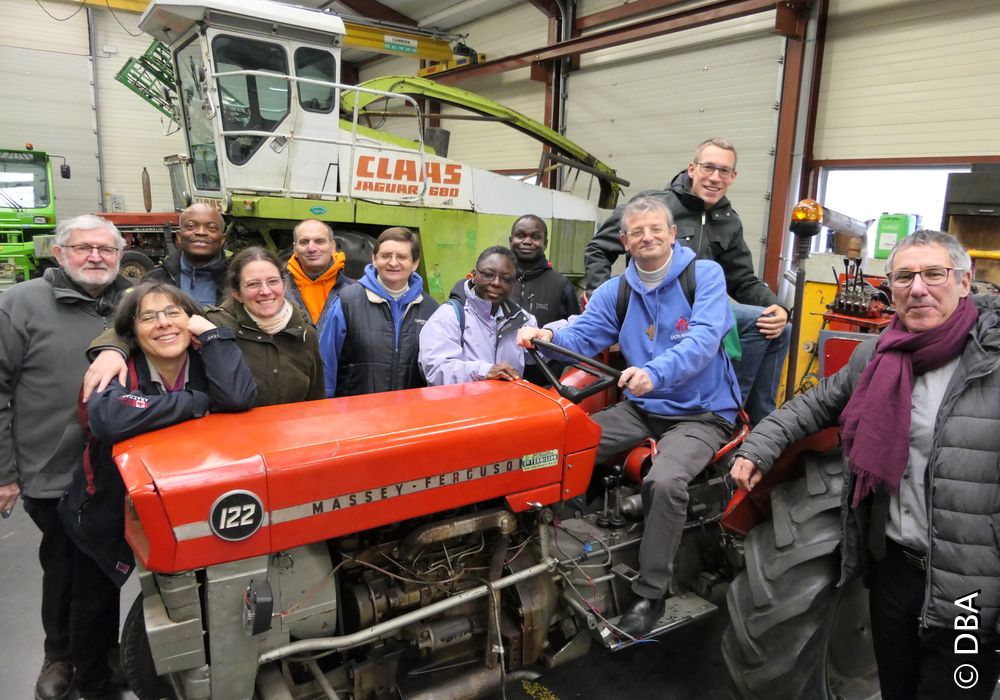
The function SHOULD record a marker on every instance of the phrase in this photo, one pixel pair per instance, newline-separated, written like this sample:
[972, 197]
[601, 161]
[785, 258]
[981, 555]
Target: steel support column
[790, 21]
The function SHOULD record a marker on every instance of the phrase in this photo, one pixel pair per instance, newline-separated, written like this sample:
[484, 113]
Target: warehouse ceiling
[427, 14]
[433, 15]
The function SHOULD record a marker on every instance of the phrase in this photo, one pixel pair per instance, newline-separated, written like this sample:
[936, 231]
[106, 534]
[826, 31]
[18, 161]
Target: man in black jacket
[541, 291]
[198, 267]
[707, 223]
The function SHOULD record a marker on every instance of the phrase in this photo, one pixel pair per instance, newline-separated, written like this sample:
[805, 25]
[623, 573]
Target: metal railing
[352, 143]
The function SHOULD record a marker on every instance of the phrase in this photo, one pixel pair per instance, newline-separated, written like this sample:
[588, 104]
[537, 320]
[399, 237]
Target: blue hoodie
[677, 345]
[333, 326]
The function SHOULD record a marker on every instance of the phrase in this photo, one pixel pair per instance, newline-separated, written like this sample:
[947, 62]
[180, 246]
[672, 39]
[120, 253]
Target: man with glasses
[679, 386]
[198, 266]
[708, 225]
[45, 325]
[919, 407]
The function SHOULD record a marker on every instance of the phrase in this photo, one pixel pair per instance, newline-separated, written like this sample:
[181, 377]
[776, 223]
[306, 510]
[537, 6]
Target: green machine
[27, 212]
[891, 228]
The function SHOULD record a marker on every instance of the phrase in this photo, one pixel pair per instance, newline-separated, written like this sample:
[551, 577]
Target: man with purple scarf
[919, 410]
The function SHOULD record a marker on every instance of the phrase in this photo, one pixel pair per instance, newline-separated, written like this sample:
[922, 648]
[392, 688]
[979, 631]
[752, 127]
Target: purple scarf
[876, 421]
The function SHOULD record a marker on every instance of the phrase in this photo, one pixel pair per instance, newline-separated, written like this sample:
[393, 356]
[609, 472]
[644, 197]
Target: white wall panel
[132, 131]
[908, 78]
[47, 100]
[26, 25]
[495, 146]
[644, 107]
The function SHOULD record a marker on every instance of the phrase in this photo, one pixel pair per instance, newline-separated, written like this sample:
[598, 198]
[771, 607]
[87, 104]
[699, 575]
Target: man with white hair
[45, 326]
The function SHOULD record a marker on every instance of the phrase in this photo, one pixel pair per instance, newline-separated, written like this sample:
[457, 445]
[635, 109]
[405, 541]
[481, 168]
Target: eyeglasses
[388, 257]
[257, 285]
[491, 276]
[171, 313]
[642, 231]
[82, 249]
[709, 168]
[932, 276]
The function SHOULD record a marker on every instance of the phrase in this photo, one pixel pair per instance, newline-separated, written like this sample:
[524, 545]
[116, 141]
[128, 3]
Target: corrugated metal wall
[494, 146]
[132, 131]
[47, 98]
[904, 78]
[644, 107]
[491, 146]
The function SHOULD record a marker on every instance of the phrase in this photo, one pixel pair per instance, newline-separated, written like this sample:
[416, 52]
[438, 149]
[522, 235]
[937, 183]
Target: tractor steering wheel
[606, 376]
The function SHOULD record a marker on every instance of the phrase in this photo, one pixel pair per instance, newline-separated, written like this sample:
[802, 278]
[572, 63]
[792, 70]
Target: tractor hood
[232, 486]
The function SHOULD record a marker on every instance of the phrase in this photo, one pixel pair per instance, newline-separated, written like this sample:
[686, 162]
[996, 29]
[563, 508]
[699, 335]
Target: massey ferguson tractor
[441, 542]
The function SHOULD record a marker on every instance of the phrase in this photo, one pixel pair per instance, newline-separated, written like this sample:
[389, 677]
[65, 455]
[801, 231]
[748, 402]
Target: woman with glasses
[180, 367]
[369, 335]
[476, 339]
[279, 344]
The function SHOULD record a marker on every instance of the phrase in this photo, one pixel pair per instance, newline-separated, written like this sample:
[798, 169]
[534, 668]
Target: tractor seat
[639, 458]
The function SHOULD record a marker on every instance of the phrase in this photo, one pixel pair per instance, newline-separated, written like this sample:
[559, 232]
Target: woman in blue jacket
[368, 338]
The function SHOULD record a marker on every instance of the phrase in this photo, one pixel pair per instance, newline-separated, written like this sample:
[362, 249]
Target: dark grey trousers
[686, 445]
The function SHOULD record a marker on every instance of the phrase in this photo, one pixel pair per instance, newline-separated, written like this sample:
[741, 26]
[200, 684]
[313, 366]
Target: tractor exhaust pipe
[481, 683]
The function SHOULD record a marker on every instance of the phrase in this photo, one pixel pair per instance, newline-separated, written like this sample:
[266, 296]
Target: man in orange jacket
[314, 275]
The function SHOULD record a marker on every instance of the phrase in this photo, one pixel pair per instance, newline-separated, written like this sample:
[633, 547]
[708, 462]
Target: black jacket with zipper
[92, 509]
[715, 234]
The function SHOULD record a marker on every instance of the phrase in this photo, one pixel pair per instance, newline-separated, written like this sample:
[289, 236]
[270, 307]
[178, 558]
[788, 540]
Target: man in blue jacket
[708, 225]
[679, 386]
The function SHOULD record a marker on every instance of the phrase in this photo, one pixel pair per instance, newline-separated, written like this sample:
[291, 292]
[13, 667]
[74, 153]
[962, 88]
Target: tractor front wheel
[137, 659]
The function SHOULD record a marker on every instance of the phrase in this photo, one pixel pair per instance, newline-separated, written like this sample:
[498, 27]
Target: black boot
[55, 680]
[640, 617]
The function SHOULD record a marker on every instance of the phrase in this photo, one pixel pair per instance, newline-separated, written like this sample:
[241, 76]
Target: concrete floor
[21, 592]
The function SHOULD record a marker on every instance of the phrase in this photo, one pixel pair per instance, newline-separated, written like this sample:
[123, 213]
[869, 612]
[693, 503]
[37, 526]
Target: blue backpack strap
[459, 308]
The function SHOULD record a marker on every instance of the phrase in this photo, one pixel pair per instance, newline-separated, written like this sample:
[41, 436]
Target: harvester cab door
[315, 120]
[253, 110]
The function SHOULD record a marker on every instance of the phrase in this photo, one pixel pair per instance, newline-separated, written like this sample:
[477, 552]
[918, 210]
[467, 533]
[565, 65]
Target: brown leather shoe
[54, 680]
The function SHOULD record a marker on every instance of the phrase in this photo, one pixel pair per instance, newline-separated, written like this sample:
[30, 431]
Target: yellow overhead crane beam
[136, 6]
[395, 41]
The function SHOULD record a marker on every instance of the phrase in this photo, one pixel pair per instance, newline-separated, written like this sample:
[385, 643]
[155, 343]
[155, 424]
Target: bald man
[198, 266]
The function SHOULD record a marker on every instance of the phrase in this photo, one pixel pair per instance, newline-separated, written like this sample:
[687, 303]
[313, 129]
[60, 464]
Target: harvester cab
[274, 136]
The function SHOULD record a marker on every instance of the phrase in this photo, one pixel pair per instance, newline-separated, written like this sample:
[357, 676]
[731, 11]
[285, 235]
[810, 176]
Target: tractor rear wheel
[793, 633]
[137, 659]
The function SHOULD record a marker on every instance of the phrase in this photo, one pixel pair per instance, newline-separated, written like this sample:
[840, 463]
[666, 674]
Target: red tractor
[430, 543]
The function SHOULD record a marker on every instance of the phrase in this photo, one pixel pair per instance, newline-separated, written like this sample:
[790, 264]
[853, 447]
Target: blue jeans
[759, 370]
